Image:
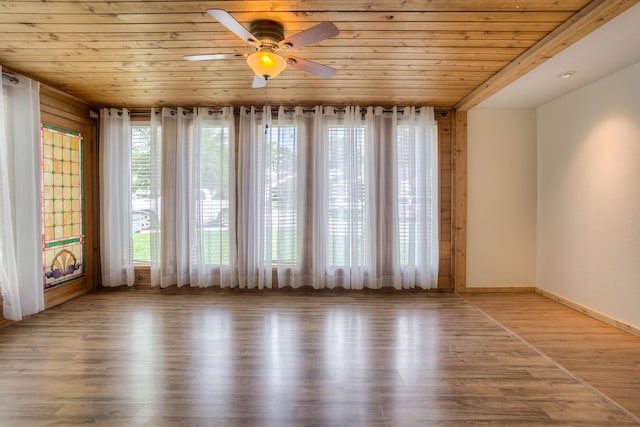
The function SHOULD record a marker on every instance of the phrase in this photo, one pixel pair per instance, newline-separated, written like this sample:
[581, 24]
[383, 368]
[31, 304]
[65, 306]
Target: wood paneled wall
[438, 52]
[61, 110]
[445, 163]
[65, 111]
[459, 202]
[445, 121]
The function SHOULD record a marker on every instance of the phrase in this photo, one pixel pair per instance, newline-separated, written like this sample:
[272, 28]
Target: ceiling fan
[266, 37]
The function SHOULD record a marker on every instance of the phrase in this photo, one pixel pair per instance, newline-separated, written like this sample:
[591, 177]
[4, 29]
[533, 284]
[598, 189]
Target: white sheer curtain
[335, 198]
[417, 197]
[21, 271]
[213, 229]
[193, 190]
[289, 197]
[405, 172]
[254, 200]
[115, 198]
[342, 189]
[171, 195]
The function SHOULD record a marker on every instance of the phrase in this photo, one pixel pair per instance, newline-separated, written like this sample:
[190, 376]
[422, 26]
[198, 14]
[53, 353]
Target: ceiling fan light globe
[266, 64]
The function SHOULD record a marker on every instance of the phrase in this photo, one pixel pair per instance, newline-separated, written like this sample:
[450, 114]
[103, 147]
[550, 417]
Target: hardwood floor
[605, 357]
[284, 358]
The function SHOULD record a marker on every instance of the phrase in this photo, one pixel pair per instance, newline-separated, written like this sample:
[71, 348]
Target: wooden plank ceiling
[444, 53]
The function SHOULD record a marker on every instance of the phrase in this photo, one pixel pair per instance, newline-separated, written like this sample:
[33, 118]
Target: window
[346, 192]
[206, 187]
[212, 193]
[328, 197]
[144, 219]
[282, 195]
[62, 206]
[416, 211]
[406, 191]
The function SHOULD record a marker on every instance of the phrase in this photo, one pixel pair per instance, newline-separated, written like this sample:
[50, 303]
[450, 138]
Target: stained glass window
[62, 205]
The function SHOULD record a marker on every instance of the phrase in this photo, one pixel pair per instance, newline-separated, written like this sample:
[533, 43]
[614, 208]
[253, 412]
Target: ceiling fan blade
[214, 56]
[259, 82]
[324, 30]
[310, 66]
[223, 17]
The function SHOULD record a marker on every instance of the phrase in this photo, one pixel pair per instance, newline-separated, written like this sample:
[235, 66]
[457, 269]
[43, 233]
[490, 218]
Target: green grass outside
[216, 244]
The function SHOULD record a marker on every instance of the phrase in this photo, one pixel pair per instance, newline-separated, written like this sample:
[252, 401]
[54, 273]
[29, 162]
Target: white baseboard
[590, 312]
[509, 289]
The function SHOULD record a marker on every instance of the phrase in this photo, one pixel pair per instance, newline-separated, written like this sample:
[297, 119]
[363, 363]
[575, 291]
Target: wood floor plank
[284, 358]
[601, 355]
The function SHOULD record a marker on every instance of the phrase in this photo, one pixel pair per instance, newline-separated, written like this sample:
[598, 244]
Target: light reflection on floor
[282, 359]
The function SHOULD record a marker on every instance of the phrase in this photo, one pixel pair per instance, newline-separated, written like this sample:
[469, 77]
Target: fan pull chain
[266, 102]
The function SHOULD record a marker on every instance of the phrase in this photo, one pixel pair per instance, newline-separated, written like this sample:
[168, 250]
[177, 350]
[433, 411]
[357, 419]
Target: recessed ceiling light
[566, 74]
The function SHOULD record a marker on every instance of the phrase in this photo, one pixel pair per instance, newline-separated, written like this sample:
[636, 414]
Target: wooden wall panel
[445, 157]
[446, 180]
[438, 52]
[459, 207]
[59, 109]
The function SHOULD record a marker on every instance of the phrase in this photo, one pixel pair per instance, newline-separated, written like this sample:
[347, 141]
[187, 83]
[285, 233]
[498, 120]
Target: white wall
[589, 196]
[501, 197]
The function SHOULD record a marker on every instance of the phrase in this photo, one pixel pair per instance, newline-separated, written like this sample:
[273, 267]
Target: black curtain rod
[12, 79]
[236, 110]
[339, 110]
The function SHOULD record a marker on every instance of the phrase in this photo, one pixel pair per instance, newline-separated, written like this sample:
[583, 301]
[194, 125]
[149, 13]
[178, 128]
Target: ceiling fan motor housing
[268, 32]
[266, 37]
